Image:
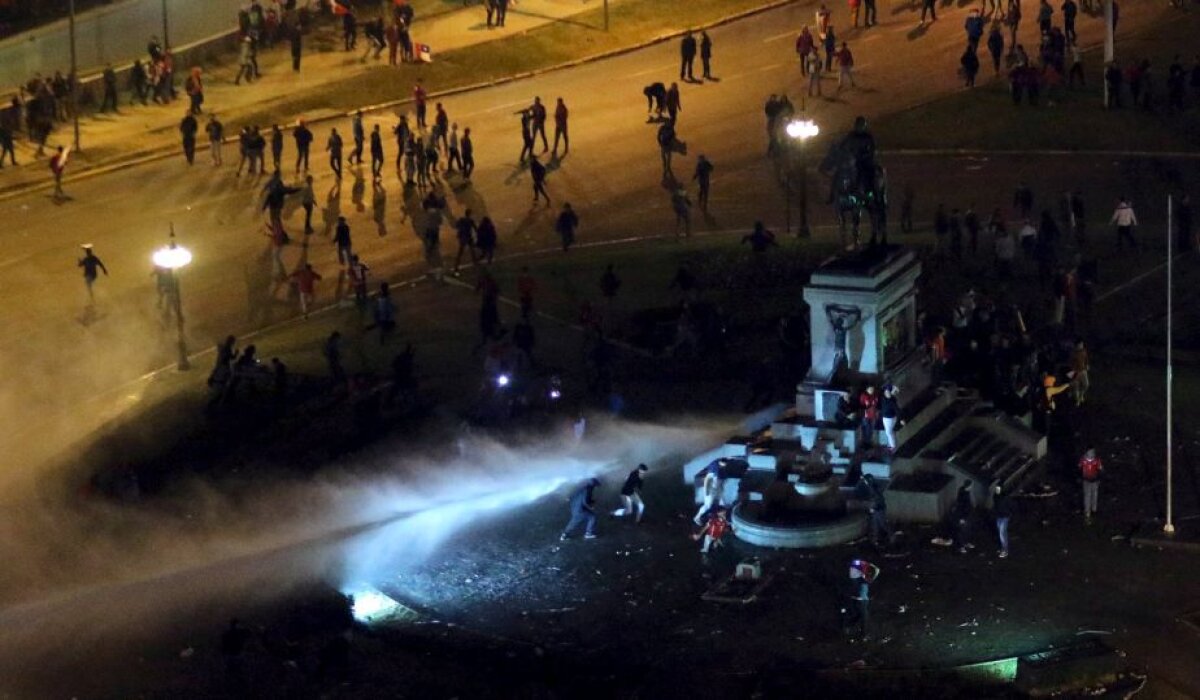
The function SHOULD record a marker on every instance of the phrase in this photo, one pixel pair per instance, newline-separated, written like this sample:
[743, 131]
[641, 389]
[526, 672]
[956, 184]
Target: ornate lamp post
[800, 131]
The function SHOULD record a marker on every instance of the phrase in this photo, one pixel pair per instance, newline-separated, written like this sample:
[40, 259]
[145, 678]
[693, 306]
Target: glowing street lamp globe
[802, 129]
[172, 257]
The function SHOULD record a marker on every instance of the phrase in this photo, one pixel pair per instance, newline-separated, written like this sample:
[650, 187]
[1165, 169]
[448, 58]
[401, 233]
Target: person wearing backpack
[1090, 468]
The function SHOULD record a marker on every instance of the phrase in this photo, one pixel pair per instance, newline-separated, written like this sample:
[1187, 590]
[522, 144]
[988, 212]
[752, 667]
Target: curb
[968, 153]
[145, 157]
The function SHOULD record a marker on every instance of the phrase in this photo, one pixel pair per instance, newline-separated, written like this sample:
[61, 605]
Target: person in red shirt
[419, 97]
[868, 404]
[58, 163]
[306, 281]
[560, 127]
[713, 531]
[845, 61]
[1090, 469]
[804, 46]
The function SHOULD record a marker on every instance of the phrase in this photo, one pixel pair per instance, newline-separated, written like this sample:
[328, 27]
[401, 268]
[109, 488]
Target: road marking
[777, 37]
[648, 71]
[773, 66]
[15, 261]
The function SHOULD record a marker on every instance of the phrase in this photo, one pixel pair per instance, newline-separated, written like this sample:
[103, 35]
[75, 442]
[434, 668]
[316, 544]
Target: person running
[537, 172]
[306, 279]
[631, 495]
[91, 265]
[583, 511]
[334, 147]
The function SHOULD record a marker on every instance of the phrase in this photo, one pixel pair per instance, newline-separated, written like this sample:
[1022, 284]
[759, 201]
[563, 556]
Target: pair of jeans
[581, 517]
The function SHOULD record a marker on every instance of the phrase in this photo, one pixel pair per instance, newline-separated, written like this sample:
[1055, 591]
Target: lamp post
[800, 131]
[166, 35]
[74, 73]
[173, 258]
[1169, 525]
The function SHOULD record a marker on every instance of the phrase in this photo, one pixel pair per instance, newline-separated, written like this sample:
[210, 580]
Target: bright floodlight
[502, 380]
[172, 257]
[802, 129]
[369, 604]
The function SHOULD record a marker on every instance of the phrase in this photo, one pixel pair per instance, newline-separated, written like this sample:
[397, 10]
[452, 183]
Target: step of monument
[976, 451]
[985, 464]
[1015, 471]
[953, 412]
[957, 444]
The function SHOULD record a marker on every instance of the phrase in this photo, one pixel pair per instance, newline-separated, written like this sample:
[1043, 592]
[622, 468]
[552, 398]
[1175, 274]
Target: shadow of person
[358, 192]
[515, 176]
[332, 210]
[379, 208]
[712, 79]
[916, 33]
[259, 278]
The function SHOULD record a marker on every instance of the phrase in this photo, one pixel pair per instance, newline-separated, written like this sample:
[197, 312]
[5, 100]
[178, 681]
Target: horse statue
[858, 185]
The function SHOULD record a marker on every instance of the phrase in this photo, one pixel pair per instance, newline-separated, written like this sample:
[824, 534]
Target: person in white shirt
[1125, 219]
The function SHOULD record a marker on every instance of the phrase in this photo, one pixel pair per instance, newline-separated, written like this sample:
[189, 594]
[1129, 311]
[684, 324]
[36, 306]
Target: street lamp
[173, 258]
[800, 131]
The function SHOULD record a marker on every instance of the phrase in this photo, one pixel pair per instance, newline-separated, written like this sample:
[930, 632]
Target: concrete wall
[115, 34]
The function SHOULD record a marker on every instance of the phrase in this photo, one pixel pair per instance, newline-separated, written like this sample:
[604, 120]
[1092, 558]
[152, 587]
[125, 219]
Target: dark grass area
[1065, 119]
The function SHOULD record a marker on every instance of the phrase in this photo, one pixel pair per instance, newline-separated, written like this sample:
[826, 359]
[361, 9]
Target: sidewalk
[111, 141]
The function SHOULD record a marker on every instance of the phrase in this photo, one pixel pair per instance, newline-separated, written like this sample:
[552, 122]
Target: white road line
[777, 37]
[14, 261]
[648, 71]
[773, 66]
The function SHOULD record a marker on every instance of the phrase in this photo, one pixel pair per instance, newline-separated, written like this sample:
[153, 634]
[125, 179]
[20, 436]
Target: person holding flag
[58, 163]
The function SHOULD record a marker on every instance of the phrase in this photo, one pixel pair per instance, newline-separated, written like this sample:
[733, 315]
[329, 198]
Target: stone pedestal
[862, 323]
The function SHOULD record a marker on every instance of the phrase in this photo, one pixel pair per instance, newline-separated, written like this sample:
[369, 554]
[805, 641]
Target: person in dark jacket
[631, 495]
[188, 128]
[1002, 512]
[706, 55]
[687, 57]
[970, 66]
[583, 511]
[881, 531]
[964, 513]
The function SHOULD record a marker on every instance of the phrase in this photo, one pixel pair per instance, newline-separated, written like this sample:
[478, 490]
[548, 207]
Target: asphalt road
[612, 177]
